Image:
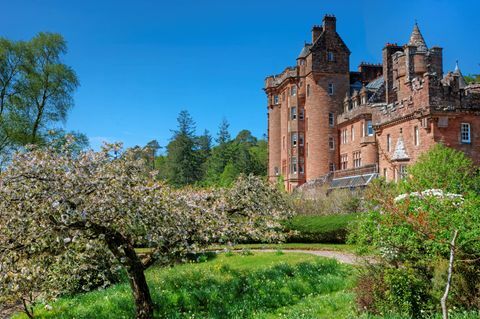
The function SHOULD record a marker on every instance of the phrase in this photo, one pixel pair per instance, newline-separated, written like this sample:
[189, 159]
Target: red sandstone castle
[326, 123]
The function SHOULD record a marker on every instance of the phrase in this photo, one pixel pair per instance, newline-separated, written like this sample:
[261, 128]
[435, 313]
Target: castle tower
[328, 79]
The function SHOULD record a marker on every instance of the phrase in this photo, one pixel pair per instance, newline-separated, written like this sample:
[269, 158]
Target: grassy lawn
[287, 246]
[258, 285]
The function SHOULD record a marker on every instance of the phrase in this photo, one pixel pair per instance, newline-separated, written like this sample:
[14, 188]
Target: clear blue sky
[141, 62]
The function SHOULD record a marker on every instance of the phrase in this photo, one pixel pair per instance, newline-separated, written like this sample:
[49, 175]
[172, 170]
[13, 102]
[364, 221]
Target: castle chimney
[316, 31]
[329, 22]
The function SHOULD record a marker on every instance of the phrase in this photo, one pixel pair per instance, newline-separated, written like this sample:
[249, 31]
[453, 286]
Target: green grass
[262, 285]
[287, 246]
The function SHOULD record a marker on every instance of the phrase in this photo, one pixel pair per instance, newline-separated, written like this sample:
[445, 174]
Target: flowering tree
[52, 201]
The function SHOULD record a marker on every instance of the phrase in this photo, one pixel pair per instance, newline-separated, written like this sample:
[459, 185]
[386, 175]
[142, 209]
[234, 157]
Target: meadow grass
[254, 285]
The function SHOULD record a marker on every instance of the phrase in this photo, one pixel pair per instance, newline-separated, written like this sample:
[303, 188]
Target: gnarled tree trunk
[443, 300]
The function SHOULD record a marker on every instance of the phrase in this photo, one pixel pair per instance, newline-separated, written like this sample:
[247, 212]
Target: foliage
[57, 199]
[319, 229]
[411, 233]
[183, 161]
[442, 168]
[36, 91]
[225, 287]
[472, 78]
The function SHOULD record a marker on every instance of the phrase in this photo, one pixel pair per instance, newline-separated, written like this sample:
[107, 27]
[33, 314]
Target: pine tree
[183, 162]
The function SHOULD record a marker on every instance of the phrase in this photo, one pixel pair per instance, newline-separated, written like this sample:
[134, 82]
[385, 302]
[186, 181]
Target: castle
[329, 124]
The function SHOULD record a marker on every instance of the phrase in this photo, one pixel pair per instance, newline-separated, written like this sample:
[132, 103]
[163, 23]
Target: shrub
[319, 229]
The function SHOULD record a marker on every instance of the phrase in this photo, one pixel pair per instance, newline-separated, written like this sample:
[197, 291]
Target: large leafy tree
[58, 200]
[36, 90]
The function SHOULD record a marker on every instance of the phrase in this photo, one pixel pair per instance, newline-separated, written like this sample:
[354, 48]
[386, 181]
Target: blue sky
[141, 62]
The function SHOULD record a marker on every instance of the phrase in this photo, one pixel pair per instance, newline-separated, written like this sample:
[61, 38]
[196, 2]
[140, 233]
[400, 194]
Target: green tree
[183, 161]
[152, 147]
[223, 135]
[413, 228]
[47, 85]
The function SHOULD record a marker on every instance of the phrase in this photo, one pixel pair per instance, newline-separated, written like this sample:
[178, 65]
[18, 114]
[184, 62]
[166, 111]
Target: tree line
[201, 160]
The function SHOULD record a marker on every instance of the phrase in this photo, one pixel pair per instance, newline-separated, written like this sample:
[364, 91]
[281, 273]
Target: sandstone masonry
[327, 123]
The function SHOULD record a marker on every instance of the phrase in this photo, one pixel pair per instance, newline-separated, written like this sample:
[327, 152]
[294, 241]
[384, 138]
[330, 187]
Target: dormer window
[364, 100]
[330, 56]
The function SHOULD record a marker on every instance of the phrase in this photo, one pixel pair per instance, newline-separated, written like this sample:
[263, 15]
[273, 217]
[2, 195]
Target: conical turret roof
[416, 39]
[461, 80]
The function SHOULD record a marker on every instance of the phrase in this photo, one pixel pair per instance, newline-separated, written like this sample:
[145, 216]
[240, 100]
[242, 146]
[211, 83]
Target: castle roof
[461, 80]
[305, 51]
[375, 84]
[416, 39]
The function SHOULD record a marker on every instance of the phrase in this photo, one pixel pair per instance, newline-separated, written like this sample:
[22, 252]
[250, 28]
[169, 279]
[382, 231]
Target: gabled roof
[400, 152]
[416, 39]
[305, 51]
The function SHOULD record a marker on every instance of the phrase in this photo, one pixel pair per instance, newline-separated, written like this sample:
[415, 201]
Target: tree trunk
[443, 301]
[122, 249]
[138, 283]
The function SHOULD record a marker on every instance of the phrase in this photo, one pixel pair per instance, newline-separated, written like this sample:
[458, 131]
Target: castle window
[331, 119]
[294, 139]
[389, 142]
[293, 166]
[331, 143]
[353, 133]
[308, 89]
[369, 128]
[330, 56]
[330, 88]
[416, 136]
[343, 136]
[293, 90]
[364, 99]
[293, 113]
[275, 99]
[301, 114]
[300, 139]
[355, 103]
[402, 171]
[276, 171]
[357, 159]
[344, 161]
[331, 167]
[465, 133]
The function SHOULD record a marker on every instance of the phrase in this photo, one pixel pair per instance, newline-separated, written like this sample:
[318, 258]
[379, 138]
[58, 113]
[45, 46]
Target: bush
[319, 229]
[411, 233]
